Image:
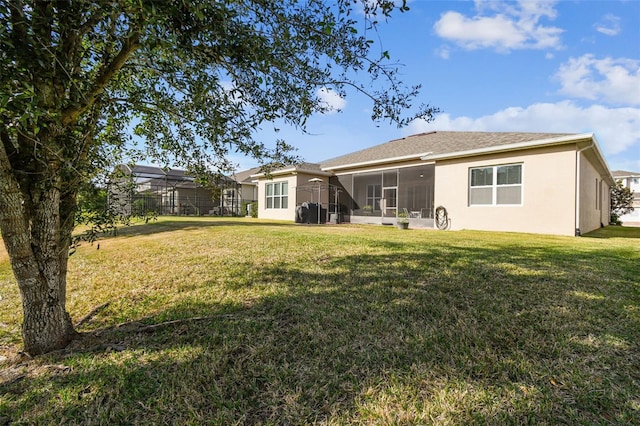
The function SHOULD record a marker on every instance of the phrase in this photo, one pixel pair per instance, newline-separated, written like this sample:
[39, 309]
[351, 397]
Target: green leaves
[175, 86]
[621, 200]
[185, 83]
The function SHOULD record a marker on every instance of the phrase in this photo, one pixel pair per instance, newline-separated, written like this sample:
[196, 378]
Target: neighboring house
[522, 182]
[141, 189]
[630, 180]
[245, 190]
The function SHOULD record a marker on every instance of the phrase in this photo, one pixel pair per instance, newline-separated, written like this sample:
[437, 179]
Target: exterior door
[390, 196]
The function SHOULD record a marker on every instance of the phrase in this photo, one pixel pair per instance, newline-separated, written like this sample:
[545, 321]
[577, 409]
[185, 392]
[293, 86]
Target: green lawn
[239, 321]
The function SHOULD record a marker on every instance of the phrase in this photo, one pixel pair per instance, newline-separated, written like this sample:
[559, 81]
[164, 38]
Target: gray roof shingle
[624, 173]
[436, 143]
[244, 176]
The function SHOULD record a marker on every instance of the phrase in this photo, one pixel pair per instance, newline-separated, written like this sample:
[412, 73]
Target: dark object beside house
[314, 210]
[302, 213]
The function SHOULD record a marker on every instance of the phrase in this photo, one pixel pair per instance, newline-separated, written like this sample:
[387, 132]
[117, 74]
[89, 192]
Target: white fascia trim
[602, 160]
[292, 171]
[375, 162]
[512, 147]
[276, 172]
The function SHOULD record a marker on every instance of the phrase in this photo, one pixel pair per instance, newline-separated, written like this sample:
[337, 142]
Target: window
[481, 191]
[277, 195]
[495, 185]
[598, 194]
[374, 193]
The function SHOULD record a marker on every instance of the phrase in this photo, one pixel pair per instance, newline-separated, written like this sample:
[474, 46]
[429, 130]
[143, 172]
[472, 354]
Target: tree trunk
[47, 326]
[41, 272]
[37, 241]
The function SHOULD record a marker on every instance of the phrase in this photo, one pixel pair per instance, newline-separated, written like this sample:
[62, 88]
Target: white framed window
[277, 195]
[374, 194]
[495, 185]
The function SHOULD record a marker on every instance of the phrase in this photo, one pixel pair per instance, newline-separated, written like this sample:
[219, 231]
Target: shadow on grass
[450, 335]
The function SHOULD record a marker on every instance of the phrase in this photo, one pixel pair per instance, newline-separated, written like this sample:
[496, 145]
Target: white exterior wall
[632, 218]
[293, 181]
[633, 183]
[279, 214]
[548, 192]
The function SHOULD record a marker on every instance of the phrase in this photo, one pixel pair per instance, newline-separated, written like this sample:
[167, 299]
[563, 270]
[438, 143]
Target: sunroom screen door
[390, 196]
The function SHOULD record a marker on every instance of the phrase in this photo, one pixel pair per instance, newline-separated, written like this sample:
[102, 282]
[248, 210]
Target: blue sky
[541, 66]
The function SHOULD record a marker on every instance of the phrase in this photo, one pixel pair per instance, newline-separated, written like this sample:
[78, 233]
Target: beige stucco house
[281, 191]
[520, 182]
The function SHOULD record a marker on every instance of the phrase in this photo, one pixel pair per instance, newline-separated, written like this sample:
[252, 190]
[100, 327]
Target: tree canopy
[84, 83]
[621, 201]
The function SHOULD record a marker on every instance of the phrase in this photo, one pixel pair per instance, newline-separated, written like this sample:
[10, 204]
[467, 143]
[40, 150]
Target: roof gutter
[602, 160]
[375, 162]
[512, 147]
[291, 170]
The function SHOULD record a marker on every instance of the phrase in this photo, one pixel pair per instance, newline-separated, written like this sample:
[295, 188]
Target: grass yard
[240, 321]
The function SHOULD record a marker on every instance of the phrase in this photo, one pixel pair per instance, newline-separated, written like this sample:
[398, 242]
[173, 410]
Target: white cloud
[617, 129]
[507, 26]
[443, 51]
[331, 100]
[608, 25]
[615, 81]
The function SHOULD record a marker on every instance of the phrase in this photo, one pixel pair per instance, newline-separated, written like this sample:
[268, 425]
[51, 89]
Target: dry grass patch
[254, 322]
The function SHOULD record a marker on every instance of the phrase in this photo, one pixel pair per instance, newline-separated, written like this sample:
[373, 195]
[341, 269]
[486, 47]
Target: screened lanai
[140, 189]
[377, 196]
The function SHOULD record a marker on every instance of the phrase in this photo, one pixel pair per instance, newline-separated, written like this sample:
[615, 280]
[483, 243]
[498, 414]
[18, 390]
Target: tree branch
[92, 313]
[71, 114]
[18, 20]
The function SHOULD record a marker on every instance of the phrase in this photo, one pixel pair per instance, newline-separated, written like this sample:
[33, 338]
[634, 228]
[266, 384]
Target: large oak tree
[185, 82]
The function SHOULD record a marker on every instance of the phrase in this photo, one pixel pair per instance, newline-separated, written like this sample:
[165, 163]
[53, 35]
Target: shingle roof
[244, 176]
[308, 167]
[436, 143]
[153, 172]
[158, 176]
[623, 173]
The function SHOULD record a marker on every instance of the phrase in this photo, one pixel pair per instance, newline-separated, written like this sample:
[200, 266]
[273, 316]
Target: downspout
[577, 187]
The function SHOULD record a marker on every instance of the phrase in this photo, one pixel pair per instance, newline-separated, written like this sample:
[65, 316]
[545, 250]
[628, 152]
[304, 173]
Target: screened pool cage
[370, 197]
[140, 190]
[382, 196]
